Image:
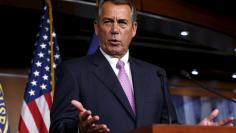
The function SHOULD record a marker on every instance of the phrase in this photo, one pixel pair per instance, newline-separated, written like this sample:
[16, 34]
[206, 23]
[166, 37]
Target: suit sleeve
[64, 117]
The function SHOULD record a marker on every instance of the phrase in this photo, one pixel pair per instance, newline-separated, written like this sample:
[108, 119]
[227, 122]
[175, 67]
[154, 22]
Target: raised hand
[208, 121]
[87, 122]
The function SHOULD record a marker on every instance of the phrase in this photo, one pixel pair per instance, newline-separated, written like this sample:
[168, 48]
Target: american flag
[35, 113]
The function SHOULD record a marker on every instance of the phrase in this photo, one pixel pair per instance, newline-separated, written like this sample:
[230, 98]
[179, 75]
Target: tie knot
[120, 64]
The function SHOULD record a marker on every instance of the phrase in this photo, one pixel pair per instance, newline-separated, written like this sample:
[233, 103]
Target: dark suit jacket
[92, 81]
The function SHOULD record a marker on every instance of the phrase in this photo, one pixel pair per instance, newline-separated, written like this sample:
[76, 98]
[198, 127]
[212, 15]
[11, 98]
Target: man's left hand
[208, 121]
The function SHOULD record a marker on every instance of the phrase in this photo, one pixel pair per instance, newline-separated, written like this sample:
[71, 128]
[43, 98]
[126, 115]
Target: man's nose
[115, 28]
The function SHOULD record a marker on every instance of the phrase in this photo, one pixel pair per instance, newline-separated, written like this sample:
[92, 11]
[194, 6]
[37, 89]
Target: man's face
[115, 29]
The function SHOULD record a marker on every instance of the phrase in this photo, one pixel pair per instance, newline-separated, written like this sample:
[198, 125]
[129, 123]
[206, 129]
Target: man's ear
[134, 28]
[95, 25]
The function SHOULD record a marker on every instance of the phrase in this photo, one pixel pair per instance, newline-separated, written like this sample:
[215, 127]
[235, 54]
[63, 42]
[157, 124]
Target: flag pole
[51, 47]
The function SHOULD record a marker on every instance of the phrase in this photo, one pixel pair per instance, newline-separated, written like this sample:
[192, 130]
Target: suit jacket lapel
[138, 84]
[104, 72]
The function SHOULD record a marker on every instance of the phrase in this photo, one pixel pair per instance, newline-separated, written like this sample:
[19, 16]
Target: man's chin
[115, 53]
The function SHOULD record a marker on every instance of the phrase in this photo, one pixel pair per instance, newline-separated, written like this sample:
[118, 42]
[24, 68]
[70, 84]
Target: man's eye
[122, 24]
[107, 21]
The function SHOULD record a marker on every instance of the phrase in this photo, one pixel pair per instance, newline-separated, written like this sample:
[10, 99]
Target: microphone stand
[162, 80]
[187, 75]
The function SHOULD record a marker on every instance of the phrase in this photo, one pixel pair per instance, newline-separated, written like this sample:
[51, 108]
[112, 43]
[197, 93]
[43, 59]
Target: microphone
[162, 81]
[187, 75]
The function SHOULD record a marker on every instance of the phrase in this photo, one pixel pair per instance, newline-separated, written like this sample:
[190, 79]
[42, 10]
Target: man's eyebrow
[123, 20]
[107, 18]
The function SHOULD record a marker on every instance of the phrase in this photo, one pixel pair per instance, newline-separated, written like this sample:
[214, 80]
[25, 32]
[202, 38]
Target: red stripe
[37, 117]
[22, 127]
[48, 98]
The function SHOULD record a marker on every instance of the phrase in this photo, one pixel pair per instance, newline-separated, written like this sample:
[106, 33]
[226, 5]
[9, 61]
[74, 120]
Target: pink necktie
[125, 83]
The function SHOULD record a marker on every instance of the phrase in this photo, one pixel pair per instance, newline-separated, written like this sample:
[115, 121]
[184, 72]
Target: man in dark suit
[90, 94]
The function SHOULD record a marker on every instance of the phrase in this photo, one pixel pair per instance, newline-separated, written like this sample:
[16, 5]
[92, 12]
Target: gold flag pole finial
[97, 1]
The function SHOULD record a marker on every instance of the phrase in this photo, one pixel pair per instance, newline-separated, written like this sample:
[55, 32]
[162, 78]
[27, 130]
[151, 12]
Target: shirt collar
[113, 60]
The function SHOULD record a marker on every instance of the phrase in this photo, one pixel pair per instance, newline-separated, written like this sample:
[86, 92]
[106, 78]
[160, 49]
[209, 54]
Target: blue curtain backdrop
[94, 44]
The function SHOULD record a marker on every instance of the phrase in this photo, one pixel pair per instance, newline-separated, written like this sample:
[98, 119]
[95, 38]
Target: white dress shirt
[113, 61]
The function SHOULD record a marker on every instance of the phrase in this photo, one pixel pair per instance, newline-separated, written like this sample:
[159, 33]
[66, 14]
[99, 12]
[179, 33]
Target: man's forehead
[110, 7]
[121, 13]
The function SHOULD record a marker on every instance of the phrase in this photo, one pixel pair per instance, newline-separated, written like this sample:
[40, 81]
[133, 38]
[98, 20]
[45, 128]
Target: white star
[57, 56]
[45, 77]
[54, 34]
[34, 83]
[47, 68]
[46, 28]
[43, 86]
[36, 73]
[45, 8]
[49, 51]
[45, 37]
[38, 64]
[48, 59]
[43, 46]
[31, 92]
[54, 65]
[48, 21]
[41, 55]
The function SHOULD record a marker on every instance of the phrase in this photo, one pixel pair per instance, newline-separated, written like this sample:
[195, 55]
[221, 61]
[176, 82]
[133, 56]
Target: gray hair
[118, 2]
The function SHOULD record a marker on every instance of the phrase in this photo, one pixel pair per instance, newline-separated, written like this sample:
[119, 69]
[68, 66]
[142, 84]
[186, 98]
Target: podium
[164, 128]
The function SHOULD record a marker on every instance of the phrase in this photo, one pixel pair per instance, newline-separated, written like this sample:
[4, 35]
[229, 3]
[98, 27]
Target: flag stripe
[37, 116]
[48, 99]
[28, 120]
[23, 128]
[44, 110]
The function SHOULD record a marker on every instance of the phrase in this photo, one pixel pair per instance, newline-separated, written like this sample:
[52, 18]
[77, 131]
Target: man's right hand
[87, 122]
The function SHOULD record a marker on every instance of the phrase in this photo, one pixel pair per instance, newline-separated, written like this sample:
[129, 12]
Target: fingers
[103, 129]
[208, 121]
[84, 113]
[229, 125]
[92, 121]
[213, 115]
[90, 126]
[100, 128]
[83, 116]
[88, 123]
[78, 105]
[226, 122]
